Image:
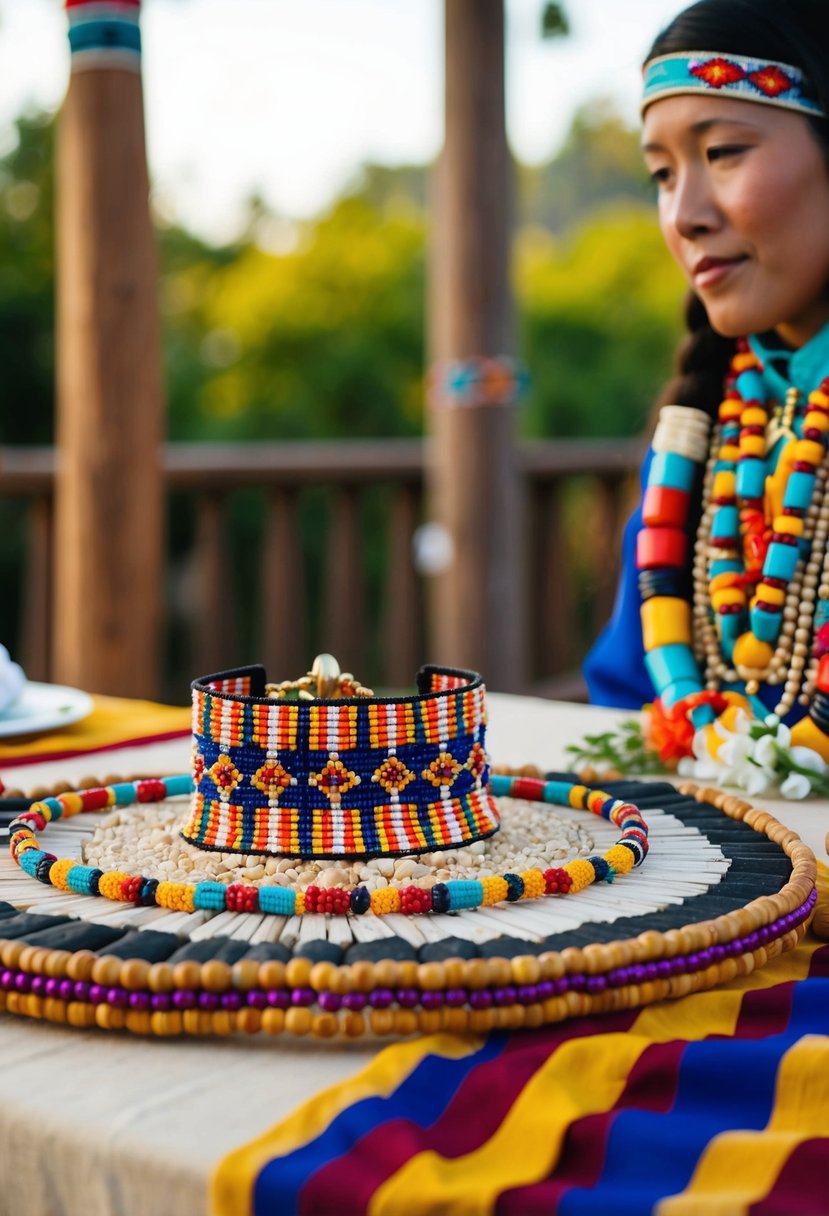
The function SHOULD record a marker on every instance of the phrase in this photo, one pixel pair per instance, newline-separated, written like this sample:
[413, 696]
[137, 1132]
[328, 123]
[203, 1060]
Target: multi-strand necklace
[760, 574]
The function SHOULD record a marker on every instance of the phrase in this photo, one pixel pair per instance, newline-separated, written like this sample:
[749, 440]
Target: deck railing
[277, 551]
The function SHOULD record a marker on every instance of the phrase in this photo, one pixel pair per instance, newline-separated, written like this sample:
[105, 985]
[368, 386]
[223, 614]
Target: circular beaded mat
[724, 888]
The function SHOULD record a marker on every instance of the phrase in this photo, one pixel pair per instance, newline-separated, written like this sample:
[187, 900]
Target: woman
[725, 587]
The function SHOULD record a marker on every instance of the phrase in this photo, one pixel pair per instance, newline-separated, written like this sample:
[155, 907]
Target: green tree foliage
[323, 341]
[324, 338]
[599, 316]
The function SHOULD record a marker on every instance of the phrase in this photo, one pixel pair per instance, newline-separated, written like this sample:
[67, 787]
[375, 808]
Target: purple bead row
[13, 980]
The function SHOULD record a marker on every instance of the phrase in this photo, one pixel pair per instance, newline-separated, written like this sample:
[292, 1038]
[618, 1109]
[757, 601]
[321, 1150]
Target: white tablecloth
[109, 1125]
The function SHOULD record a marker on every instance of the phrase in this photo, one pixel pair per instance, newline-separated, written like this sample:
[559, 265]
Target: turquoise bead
[209, 896]
[557, 792]
[676, 691]
[750, 386]
[182, 784]
[125, 793]
[670, 469]
[280, 901]
[465, 893]
[703, 715]
[781, 561]
[726, 523]
[765, 625]
[751, 478]
[799, 490]
[54, 806]
[670, 665]
[725, 565]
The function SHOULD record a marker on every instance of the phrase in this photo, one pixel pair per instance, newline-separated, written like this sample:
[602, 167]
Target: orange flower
[668, 732]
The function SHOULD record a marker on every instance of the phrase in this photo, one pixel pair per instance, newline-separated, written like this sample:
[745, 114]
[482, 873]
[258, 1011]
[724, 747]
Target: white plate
[42, 707]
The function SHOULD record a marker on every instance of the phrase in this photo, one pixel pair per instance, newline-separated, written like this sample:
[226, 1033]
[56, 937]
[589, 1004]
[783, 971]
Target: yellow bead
[729, 451]
[792, 524]
[806, 734]
[754, 416]
[730, 411]
[809, 449]
[816, 420]
[818, 397]
[728, 595]
[719, 581]
[725, 485]
[666, 620]
[770, 595]
[749, 651]
[753, 445]
[743, 361]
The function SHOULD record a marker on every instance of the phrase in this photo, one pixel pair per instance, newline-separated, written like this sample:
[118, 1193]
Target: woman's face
[744, 209]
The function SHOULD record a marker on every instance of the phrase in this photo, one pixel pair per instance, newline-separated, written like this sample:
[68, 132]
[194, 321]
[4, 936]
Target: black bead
[440, 897]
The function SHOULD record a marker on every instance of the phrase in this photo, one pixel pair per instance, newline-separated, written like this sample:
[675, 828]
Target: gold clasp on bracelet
[324, 682]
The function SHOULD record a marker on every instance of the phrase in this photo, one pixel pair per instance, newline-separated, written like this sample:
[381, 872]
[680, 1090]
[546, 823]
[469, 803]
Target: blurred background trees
[315, 329]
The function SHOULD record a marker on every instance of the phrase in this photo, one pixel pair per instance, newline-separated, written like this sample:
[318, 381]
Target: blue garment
[615, 667]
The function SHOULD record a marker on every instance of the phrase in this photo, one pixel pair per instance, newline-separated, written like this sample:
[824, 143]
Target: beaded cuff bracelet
[353, 775]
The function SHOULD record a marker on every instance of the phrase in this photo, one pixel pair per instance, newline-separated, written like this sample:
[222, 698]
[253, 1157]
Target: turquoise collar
[784, 368]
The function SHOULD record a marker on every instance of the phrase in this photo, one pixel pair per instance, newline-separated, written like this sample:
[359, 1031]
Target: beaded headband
[353, 775]
[746, 79]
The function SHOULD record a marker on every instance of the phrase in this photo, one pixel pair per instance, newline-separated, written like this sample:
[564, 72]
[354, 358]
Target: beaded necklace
[68, 874]
[755, 586]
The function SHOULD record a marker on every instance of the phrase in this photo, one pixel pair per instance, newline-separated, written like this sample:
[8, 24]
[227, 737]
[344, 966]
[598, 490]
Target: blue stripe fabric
[420, 1099]
[652, 1155]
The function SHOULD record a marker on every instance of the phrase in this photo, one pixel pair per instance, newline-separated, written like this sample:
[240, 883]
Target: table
[92, 1125]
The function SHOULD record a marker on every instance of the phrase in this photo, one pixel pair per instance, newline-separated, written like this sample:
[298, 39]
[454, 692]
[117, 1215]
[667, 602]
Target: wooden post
[109, 504]
[476, 608]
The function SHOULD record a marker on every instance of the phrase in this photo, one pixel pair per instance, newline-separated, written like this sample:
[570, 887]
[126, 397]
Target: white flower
[735, 751]
[765, 751]
[805, 757]
[782, 735]
[796, 786]
[754, 779]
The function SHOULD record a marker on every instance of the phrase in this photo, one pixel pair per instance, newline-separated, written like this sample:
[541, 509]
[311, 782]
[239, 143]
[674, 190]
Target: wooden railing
[278, 551]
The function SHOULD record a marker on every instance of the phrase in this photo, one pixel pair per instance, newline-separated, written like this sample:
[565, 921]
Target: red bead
[527, 787]
[150, 791]
[765, 607]
[665, 506]
[812, 432]
[803, 466]
[823, 674]
[95, 800]
[656, 547]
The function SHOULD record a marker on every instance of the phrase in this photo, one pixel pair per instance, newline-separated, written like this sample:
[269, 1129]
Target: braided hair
[789, 31]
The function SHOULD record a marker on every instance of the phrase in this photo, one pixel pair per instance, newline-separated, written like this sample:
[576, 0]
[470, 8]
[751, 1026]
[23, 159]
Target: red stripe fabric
[651, 1086]
[802, 1186]
[69, 752]
[473, 1115]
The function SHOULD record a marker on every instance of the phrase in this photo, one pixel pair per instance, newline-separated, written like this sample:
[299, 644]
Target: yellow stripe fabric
[231, 1187]
[582, 1077]
[738, 1168]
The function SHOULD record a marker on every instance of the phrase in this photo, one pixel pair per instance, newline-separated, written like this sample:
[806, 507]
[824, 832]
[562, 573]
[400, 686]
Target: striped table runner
[713, 1105]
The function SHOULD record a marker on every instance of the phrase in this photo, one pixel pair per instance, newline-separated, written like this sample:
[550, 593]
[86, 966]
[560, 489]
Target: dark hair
[788, 31]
